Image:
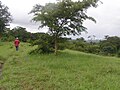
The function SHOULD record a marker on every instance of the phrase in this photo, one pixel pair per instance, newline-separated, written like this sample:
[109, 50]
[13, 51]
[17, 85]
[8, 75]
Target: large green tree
[110, 45]
[21, 33]
[64, 17]
[5, 17]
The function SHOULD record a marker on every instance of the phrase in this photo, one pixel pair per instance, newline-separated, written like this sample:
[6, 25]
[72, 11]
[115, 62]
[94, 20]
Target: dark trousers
[17, 48]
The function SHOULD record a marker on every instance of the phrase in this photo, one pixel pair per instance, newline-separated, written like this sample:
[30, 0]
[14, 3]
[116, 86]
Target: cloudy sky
[107, 16]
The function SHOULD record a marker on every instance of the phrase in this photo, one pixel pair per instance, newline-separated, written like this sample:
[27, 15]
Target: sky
[107, 16]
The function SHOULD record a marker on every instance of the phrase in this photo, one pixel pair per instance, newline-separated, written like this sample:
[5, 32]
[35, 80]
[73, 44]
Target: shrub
[109, 50]
[45, 45]
[95, 49]
[4, 39]
[118, 53]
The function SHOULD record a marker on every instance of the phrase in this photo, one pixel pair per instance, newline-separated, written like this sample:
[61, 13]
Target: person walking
[17, 42]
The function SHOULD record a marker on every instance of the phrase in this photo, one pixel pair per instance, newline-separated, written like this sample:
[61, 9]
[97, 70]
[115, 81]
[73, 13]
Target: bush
[109, 50]
[61, 46]
[77, 45]
[7, 38]
[3, 39]
[95, 49]
[45, 45]
[118, 54]
[41, 50]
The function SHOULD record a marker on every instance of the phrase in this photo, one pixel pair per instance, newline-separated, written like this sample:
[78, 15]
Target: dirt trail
[1, 66]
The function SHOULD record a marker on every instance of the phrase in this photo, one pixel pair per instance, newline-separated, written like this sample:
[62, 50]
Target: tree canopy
[5, 17]
[65, 17]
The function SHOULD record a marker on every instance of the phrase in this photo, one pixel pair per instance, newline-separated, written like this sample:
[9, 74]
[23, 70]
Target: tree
[7, 35]
[64, 17]
[113, 41]
[108, 48]
[21, 33]
[5, 17]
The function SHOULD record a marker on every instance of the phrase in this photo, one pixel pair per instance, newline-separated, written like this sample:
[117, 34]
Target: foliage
[95, 49]
[81, 45]
[65, 17]
[44, 44]
[108, 50]
[63, 43]
[7, 36]
[21, 33]
[114, 41]
[110, 45]
[118, 53]
[5, 17]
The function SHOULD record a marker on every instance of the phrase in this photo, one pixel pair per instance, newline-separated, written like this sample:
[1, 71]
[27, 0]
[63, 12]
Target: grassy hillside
[70, 70]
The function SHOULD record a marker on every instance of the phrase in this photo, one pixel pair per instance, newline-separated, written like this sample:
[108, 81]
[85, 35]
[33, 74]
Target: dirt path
[1, 66]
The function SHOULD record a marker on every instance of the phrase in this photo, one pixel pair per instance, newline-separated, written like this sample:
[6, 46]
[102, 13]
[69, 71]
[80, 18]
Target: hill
[70, 70]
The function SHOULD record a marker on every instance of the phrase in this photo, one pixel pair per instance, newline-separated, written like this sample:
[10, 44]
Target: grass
[70, 70]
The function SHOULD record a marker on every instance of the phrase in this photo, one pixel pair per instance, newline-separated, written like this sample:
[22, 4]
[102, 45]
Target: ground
[70, 70]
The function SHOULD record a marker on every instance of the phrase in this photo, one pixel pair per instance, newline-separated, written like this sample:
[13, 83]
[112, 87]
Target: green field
[70, 70]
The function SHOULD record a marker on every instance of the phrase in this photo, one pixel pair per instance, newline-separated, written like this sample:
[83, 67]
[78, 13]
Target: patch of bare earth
[1, 66]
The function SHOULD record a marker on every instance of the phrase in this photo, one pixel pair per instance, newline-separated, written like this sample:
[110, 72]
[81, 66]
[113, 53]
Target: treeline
[20, 32]
[109, 46]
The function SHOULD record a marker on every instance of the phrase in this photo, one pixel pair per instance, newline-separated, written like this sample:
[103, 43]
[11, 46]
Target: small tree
[64, 17]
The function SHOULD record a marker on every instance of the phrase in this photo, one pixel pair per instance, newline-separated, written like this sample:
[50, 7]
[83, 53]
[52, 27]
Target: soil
[1, 66]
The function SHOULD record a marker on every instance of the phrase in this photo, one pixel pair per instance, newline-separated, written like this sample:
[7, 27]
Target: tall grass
[70, 70]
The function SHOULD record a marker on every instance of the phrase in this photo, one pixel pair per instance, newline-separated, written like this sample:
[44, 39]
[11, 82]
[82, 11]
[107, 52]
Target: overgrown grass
[70, 70]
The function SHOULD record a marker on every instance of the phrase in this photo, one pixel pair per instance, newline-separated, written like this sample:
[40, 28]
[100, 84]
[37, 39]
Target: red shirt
[16, 42]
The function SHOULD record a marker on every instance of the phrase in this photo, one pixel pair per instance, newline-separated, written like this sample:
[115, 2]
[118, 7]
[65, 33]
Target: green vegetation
[65, 17]
[70, 70]
[109, 46]
[5, 17]
[31, 68]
